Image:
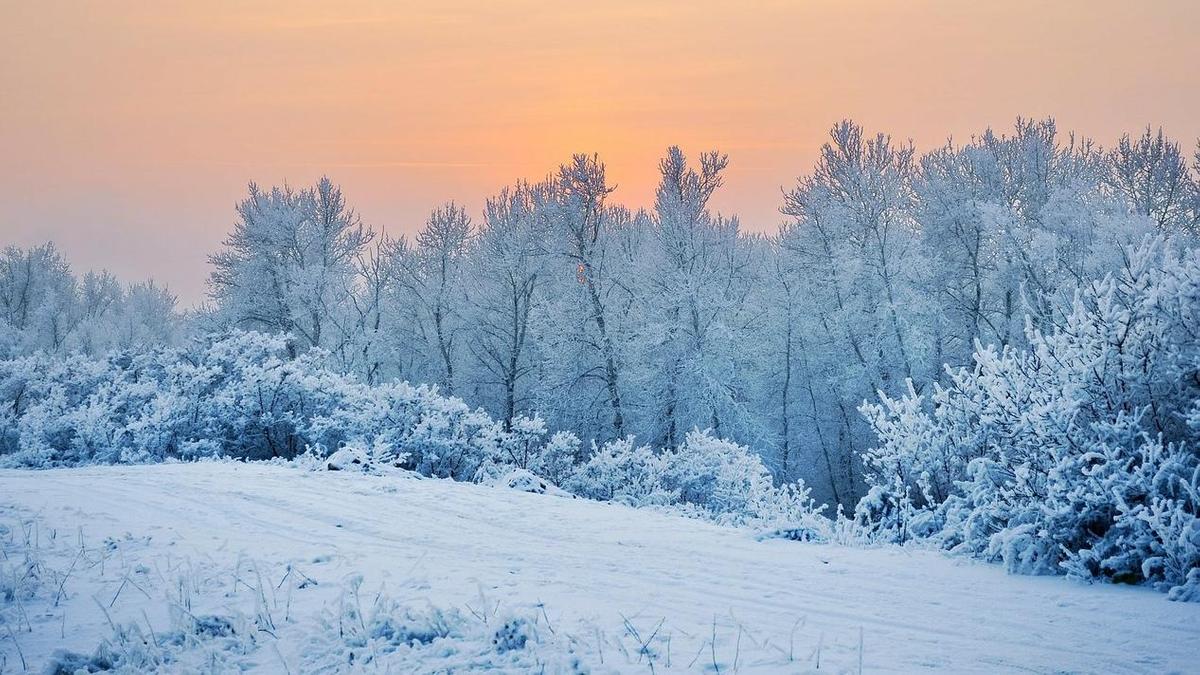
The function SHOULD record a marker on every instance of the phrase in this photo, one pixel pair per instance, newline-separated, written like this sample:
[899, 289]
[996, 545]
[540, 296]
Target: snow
[578, 576]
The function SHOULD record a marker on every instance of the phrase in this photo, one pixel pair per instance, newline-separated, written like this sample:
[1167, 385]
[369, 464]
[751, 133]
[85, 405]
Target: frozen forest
[992, 347]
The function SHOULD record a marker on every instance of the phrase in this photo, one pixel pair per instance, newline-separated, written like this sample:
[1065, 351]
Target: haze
[128, 130]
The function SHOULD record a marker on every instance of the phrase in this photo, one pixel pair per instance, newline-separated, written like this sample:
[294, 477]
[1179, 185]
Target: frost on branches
[240, 395]
[243, 395]
[706, 476]
[1079, 454]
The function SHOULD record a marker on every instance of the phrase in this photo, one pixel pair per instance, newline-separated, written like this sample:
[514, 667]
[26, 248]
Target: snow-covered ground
[223, 565]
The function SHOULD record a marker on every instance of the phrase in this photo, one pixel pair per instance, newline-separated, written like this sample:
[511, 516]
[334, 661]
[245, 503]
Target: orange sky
[129, 129]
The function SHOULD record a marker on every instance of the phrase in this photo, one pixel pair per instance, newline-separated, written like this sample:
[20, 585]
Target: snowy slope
[590, 574]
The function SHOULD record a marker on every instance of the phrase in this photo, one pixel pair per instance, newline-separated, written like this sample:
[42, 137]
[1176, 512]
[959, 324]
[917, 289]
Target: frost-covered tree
[1150, 174]
[430, 290]
[794, 376]
[583, 221]
[506, 279]
[289, 265]
[45, 307]
[100, 299]
[1009, 223]
[148, 317]
[585, 323]
[1055, 224]
[38, 298]
[369, 348]
[853, 240]
[696, 278]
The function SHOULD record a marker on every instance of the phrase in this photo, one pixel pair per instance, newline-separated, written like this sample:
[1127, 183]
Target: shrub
[243, 395]
[239, 395]
[1077, 455]
[705, 476]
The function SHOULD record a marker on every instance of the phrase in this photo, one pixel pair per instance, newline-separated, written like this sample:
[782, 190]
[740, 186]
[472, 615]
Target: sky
[130, 129]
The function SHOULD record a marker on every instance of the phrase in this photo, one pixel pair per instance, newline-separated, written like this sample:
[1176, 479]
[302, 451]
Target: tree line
[611, 322]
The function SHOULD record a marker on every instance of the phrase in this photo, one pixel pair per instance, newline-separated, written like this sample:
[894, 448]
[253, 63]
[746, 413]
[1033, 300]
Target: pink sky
[128, 130]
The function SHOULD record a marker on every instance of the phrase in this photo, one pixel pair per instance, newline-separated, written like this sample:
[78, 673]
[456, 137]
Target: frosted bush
[733, 486]
[624, 472]
[557, 459]
[239, 395]
[705, 477]
[1076, 455]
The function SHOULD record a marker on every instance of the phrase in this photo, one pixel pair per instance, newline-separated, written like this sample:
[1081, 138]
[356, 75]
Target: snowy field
[224, 566]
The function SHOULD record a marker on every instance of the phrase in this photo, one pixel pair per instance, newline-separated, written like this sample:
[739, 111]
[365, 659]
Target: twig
[107, 616]
[792, 640]
[713, 645]
[150, 627]
[481, 617]
[285, 577]
[697, 656]
[643, 645]
[542, 607]
[860, 650]
[21, 654]
[820, 643]
[119, 589]
[58, 596]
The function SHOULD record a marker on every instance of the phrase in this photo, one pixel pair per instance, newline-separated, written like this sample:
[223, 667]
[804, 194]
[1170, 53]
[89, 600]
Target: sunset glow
[667, 336]
[128, 130]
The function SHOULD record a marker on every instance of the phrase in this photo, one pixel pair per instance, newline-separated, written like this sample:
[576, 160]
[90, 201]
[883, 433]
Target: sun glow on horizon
[128, 131]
